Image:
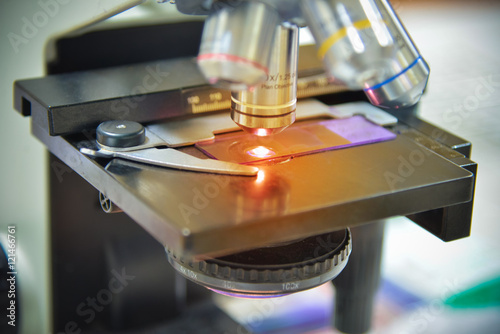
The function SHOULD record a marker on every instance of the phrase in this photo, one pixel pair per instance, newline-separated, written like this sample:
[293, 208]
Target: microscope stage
[423, 172]
[206, 214]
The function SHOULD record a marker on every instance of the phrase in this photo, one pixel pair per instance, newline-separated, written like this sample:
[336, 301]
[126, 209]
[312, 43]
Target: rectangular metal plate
[301, 139]
[205, 214]
[142, 92]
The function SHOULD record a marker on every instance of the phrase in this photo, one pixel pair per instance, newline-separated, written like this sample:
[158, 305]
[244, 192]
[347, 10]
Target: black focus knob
[120, 134]
[271, 271]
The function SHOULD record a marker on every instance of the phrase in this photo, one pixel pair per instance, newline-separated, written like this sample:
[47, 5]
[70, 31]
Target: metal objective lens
[363, 44]
[236, 45]
[269, 107]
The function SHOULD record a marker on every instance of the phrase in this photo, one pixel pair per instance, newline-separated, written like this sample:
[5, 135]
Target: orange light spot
[260, 176]
[261, 132]
[261, 152]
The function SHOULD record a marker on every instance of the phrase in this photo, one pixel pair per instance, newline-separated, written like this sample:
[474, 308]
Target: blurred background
[461, 42]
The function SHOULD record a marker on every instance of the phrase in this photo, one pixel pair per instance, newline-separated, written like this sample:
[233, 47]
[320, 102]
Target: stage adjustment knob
[271, 271]
[120, 134]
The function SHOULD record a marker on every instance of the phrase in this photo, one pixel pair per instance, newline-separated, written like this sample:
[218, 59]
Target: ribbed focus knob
[271, 271]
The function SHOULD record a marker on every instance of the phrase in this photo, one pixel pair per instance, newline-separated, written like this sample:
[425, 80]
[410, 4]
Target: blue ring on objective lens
[395, 76]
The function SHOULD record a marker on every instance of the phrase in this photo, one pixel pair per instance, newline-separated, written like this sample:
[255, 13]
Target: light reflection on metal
[266, 194]
[247, 296]
[261, 175]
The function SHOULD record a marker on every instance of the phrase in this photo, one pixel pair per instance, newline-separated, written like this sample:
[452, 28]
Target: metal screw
[107, 205]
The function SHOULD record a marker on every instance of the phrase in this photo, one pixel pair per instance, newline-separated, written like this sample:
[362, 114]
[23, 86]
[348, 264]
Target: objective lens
[363, 44]
[235, 47]
[269, 107]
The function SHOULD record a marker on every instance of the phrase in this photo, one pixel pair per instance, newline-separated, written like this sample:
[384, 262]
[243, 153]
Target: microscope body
[243, 64]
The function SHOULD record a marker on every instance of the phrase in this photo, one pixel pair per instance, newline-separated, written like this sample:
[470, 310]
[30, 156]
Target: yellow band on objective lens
[338, 35]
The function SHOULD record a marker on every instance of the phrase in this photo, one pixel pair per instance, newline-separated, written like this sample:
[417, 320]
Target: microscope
[257, 167]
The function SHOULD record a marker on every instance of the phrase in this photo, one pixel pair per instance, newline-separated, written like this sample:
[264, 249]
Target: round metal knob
[107, 205]
[120, 134]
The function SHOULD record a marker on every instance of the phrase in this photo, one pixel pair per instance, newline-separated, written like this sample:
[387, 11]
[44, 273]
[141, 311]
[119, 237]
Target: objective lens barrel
[236, 45]
[363, 44]
[269, 107]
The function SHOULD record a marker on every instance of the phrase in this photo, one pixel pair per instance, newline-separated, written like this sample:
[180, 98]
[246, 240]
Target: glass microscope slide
[300, 139]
